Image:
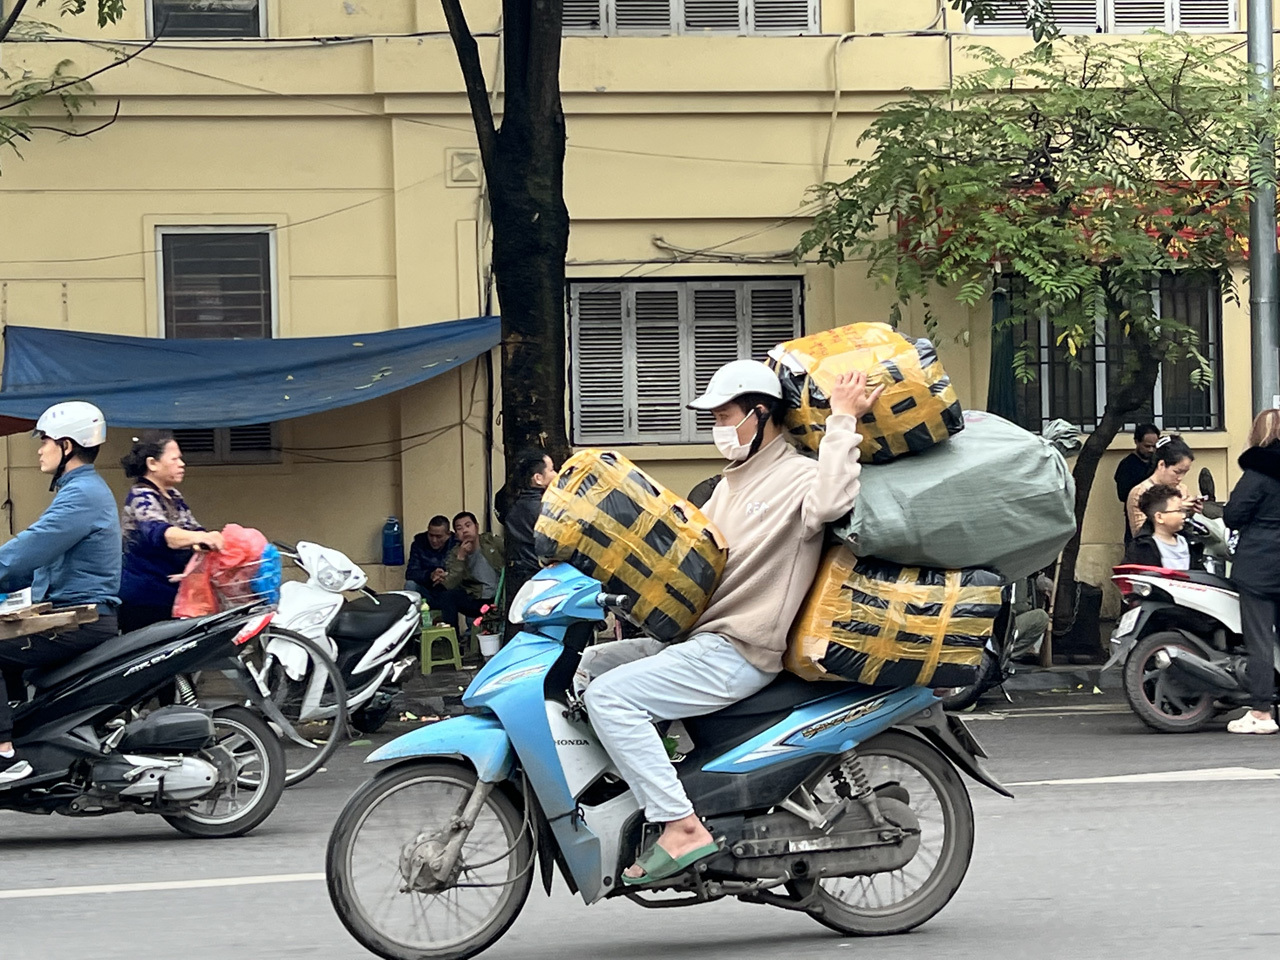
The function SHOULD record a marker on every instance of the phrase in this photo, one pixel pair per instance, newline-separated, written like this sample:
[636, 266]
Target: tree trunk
[1124, 400]
[524, 168]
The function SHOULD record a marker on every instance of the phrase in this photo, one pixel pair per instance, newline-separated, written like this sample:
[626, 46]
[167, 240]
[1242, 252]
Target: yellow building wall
[351, 148]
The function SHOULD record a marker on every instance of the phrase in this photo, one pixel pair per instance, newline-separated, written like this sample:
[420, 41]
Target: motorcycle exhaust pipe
[1197, 670]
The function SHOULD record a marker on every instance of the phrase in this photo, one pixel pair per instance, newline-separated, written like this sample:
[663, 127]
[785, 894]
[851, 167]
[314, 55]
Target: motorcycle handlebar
[619, 600]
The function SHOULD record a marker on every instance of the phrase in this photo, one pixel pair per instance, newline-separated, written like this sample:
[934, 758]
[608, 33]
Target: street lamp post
[1262, 230]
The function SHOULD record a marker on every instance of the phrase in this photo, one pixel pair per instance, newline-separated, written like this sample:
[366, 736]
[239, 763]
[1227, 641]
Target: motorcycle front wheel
[377, 848]
[905, 768]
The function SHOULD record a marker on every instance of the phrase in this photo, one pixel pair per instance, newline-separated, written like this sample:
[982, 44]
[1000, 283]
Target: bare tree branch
[18, 101]
[77, 133]
[473, 76]
[12, 19]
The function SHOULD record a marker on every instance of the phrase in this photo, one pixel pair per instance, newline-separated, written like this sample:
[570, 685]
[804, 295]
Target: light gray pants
[632, 683]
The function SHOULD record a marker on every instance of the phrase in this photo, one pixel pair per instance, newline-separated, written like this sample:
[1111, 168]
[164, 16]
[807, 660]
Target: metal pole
[1262, 230]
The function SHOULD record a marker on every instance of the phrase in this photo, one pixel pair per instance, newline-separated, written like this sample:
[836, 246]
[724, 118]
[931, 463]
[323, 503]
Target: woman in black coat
[1254, 511]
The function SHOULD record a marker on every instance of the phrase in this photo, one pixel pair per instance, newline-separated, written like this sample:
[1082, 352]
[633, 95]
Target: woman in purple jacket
[159, 532]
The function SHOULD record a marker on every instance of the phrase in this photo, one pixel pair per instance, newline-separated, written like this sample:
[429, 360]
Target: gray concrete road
[1167, 848]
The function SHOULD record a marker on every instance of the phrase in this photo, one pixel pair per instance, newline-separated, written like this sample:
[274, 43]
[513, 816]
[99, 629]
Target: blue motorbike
[839, 800]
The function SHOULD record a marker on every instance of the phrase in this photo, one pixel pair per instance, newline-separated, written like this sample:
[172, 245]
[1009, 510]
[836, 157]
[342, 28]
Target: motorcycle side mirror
[1207, 487]
[1212, 510]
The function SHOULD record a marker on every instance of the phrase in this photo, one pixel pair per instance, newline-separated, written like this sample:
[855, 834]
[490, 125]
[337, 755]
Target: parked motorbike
[1179, 638]
[1018, 633]
[837, 800]
[208, 773]
[363, 639]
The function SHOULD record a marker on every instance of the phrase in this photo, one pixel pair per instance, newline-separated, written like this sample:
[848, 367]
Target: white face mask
[726, 441]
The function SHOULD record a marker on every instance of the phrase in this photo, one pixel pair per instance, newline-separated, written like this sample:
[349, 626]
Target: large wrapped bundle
[917, 410]
[889, 626]
[611, 520]
[995, 496]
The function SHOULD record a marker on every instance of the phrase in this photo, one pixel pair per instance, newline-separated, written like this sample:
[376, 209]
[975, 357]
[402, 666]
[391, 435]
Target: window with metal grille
[218, 283]
[1118, 16]
[670, 17]
[1078, 393]
[641, 351]
[206, 19]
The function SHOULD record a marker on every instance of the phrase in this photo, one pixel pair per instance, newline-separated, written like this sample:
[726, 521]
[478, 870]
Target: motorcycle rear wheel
[259, 760]
[393, 812]
[901, 900]
[1155, 697]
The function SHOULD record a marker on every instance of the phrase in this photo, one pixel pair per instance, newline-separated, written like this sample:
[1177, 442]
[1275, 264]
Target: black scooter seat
[116, 647]
[363, 619]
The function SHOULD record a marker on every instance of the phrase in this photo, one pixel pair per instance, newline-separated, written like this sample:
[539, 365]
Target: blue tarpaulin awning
[152, 382]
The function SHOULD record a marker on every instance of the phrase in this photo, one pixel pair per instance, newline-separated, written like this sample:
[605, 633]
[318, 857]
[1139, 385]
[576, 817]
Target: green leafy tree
[1065, 180]
[25, 97]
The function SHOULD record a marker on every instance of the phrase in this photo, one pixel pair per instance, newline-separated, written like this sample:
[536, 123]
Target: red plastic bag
[195, 591]
[233, 568]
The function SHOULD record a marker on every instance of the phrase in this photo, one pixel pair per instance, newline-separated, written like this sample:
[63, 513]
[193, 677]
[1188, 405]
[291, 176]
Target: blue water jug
[392, 543]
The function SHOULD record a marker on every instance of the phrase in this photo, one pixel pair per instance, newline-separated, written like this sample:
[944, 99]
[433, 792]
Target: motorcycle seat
[117, 647]
[1210, 580]
[740, 721]
[363, 619]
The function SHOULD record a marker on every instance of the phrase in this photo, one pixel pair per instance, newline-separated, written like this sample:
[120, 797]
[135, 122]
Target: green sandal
[659, 865]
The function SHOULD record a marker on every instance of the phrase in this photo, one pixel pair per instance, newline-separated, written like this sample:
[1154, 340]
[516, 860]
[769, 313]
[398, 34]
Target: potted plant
[489, 628]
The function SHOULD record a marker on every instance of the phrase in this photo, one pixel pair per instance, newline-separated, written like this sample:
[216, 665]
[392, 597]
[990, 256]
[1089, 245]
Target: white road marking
[32, 893]
[1210, 775]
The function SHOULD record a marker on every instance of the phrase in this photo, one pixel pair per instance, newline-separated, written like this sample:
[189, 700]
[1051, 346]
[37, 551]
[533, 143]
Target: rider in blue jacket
[68, 557]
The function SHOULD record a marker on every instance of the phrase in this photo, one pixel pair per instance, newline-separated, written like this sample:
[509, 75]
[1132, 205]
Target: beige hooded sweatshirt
[773, 510]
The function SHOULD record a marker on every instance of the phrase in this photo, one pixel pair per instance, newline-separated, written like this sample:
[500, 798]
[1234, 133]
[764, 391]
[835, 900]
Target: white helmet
[735, 379]
[74, 420]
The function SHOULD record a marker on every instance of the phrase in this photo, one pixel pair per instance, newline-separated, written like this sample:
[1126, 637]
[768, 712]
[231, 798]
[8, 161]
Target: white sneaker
[12, 769]
[1251, 724]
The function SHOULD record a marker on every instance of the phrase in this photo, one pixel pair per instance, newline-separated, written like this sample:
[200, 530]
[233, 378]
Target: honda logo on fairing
[161, 657]
[573, 743]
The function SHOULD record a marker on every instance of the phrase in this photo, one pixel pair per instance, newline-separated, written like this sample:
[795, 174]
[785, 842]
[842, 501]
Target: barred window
[206, 19]
[641, 351]
[1077, 392]
[218, 283]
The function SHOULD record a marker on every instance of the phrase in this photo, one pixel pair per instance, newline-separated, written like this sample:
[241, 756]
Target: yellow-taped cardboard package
[611, 520]
[887, 625]
[917, 410]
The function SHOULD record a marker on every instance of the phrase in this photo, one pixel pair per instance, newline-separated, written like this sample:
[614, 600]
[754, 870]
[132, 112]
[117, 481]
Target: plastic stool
[433, 635]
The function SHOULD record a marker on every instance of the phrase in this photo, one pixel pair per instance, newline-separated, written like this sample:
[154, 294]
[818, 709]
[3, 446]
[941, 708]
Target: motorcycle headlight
[528, 600]
[330, 577]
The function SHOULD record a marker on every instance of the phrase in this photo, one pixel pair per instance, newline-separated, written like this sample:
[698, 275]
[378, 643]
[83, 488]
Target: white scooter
[1179, 639]
[365, 637]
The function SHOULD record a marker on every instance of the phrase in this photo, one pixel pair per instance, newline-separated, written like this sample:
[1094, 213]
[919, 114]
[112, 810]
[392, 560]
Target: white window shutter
[643, 16]
[782, 16]
[718, 16]
[1071, 16]
[659, 406]
[1137, 16]
[1206, 15]
[715, 336]
[598, 402]
[584, 16]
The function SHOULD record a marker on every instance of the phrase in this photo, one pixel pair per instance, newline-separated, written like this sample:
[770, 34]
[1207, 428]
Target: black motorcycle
[94, 750]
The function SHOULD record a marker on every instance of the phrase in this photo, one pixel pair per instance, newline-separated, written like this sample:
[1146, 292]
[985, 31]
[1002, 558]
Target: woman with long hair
[159, 531]
[1173, 460]
[1254, 512]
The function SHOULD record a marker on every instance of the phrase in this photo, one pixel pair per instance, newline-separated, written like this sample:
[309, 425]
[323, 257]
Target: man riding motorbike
[772, 507]
[68, 557]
